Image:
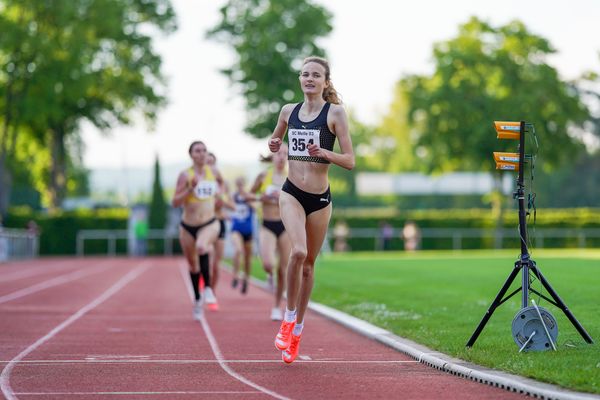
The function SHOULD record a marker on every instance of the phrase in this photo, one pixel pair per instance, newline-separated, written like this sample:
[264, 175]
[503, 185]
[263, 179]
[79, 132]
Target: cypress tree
[158, 207]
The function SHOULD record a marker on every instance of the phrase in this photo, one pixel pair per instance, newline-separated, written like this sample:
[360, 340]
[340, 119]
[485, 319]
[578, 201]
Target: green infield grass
[437, 298]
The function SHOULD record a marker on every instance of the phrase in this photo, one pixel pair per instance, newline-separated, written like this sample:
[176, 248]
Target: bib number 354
[300, 139]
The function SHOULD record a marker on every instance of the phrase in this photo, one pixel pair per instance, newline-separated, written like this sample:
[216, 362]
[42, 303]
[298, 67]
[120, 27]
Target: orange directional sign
[507, 130]
[506, 157]
[506, 166]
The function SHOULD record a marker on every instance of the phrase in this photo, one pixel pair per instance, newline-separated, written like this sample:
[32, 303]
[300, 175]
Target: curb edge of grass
[443, 362]
[454, 366]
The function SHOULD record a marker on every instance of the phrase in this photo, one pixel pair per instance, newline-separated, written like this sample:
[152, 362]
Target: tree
[391, 148]
[68, 61]
[575, 185]
[588, 88]
[157, 216]
[270, 39]
[487, 74]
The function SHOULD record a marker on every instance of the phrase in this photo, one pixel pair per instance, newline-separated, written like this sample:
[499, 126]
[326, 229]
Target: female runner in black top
[305, 200]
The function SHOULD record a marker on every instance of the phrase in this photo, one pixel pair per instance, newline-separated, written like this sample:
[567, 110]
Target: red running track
[123, 328]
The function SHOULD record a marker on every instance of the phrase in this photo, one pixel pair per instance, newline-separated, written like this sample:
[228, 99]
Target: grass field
[438, 298]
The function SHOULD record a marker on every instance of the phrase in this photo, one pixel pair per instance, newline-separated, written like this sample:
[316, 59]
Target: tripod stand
[525, 264]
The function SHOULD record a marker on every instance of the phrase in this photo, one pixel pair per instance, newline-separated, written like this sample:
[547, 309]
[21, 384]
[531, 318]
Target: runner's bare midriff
[270, 211]
[198, 213]
[309, 176]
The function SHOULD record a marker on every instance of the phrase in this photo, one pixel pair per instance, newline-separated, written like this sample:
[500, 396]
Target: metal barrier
[457, 236]
[111, 236]
[17, 244]
[168, 236]
[497, 236]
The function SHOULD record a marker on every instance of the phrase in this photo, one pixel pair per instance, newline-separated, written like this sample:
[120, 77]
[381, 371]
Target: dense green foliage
[59, 229]
[576, 184]
[484, 74]
[270, 38]
[568, 219]
[63, 62]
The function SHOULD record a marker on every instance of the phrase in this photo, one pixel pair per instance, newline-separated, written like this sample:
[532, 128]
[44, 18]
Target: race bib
[242, 211]
[205, 189]
[299, 139]
[271, 190]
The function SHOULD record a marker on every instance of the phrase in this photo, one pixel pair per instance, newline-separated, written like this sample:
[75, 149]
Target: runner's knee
[268, 266]
[202, 249]
[307, 270]
[298, 255]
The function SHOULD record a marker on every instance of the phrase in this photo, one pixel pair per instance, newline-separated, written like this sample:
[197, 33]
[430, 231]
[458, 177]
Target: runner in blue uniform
[242, 220]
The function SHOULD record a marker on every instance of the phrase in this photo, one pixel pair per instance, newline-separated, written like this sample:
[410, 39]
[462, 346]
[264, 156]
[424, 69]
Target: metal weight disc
[527, 321]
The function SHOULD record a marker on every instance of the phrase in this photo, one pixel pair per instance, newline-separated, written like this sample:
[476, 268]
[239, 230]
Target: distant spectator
[33, 231]
[340, 237]
[3, 245]
[411, 236]
[387, 234]
[140, 231]
[33, 228]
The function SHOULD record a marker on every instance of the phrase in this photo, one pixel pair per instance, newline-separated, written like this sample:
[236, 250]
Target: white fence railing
[455, 237]
[17, 244]
[111, 237]
[539, 237]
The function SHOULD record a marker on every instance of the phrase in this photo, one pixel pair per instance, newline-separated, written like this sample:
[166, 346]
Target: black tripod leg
[561, 304]
[493, 306]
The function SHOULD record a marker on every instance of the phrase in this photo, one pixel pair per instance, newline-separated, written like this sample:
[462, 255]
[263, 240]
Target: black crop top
[301, 133]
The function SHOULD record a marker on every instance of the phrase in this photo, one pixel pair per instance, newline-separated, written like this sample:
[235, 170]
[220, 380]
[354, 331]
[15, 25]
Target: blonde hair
[330, 95]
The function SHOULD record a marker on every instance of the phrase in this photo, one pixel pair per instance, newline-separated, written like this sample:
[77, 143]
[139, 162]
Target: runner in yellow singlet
[273, 238]
[222, 203]
[196, 192]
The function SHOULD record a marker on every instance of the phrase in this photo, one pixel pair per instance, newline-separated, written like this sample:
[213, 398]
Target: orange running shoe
[288, 356]
[283, 338]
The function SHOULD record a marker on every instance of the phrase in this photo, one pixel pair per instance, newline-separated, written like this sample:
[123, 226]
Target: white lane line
[54, 362]
[113, 357]
[5, 376]
[13, 276]
[124, 393]
[59, 280]
[215, 347]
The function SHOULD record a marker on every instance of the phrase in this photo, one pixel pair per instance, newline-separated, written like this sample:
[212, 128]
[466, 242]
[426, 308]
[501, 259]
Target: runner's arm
[279, 132]
[182, 190]
[338, 124]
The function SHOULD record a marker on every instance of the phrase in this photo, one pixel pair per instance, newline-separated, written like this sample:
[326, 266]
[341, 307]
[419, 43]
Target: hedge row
[467, 218]
[59, 229]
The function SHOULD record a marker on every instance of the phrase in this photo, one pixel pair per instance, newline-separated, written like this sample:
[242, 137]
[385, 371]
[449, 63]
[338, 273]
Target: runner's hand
[315, 150]
[274, 145]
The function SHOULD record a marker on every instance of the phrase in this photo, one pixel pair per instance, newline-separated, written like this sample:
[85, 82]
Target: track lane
[334, 362]
[31, 270]
[5, 383]
[137, 343]
[143, 343]
[39, 283]
[26, 318]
